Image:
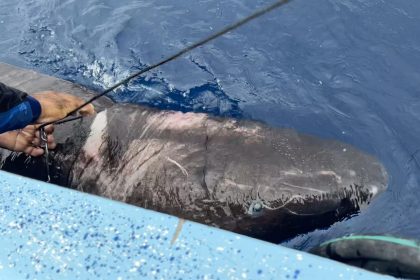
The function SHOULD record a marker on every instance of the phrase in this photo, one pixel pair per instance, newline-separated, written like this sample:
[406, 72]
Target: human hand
[56, 105]
[27, 140]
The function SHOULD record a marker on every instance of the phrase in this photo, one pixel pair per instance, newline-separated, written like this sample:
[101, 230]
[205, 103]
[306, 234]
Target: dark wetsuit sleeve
[10, 97]
[17, 109]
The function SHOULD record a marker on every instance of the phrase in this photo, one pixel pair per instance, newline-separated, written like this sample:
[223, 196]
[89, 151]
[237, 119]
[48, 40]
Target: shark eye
[255, 207]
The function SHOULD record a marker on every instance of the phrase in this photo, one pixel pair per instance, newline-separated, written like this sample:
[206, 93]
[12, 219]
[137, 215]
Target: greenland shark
[238, 175]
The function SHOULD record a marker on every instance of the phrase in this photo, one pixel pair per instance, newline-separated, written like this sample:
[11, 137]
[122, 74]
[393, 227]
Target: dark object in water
[382, 254]
[241, 176]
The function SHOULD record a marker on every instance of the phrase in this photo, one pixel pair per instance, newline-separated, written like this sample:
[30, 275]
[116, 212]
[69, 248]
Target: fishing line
[202, 42]
[187, 49]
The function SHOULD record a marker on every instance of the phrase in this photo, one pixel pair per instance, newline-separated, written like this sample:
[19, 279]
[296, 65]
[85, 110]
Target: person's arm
[21, 115]
[17, 109]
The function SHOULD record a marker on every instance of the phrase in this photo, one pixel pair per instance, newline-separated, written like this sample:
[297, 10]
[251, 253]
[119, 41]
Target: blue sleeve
[20, 115]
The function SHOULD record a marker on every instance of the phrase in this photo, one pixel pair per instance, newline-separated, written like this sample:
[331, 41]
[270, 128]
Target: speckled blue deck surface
[49, 232]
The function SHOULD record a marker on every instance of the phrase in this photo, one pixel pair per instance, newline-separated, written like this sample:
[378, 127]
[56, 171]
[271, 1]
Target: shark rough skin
[242, 176]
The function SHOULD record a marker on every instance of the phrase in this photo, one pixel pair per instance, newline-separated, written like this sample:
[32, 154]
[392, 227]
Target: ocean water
[346, 70]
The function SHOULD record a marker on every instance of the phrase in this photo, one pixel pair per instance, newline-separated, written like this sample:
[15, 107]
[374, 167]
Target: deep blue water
[347, 70]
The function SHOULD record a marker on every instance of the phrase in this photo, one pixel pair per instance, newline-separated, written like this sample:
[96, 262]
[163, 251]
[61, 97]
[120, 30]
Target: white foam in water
[97, 70]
